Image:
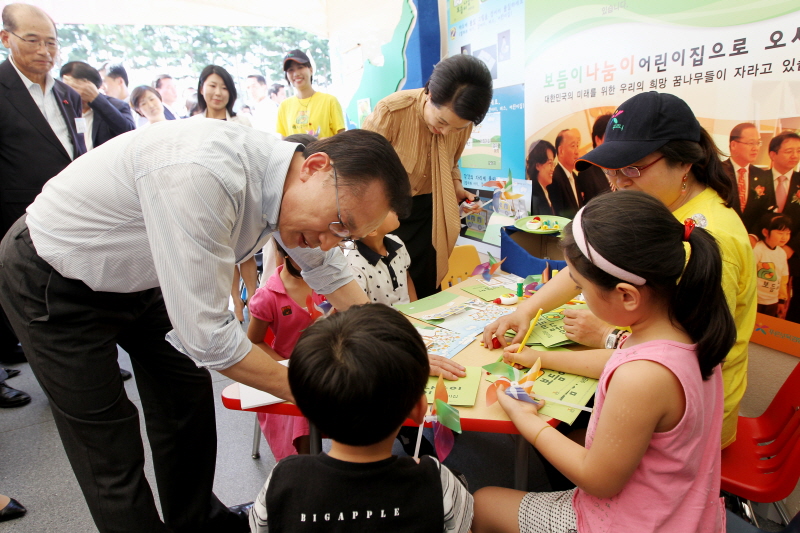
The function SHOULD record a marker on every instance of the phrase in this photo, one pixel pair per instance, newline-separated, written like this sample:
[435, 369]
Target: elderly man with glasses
[39, 133]
[755, 191]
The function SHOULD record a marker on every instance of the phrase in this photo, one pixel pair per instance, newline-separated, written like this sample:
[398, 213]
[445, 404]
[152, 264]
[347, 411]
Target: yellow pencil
[530, 329]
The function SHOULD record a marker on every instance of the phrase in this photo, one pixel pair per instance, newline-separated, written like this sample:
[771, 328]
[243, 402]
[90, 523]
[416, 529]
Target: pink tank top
[676, 486]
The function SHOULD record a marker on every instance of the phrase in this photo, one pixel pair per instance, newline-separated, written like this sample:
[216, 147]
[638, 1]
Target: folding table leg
[521, 463]
[256, 440]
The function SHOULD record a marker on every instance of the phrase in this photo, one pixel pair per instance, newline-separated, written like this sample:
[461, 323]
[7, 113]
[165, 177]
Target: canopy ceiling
[307, 15]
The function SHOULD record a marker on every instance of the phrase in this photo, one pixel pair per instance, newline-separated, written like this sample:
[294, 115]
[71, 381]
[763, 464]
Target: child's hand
[525, 359]
[514, 407]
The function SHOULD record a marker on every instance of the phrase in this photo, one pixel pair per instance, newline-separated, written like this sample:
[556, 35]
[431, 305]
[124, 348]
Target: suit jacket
[760, 195]
[30, 152]
[561, 195]
[539, 203]
[590, 183]
[112, 117]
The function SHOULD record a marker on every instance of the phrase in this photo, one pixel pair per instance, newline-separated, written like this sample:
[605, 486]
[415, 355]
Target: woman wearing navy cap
[654, 143]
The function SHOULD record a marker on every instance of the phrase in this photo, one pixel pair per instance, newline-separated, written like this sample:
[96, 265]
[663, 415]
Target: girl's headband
[598, 260]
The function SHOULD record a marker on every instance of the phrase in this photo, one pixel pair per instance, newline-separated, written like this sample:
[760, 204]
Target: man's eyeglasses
[50, 44]
[748, 143]
[631, 172]
[337, 227]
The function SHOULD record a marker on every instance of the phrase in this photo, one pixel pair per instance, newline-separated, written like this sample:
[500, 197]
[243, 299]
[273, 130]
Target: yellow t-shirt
[320, 115]
[739, 284]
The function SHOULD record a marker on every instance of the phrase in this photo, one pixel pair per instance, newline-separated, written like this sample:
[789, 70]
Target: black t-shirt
[319, 493]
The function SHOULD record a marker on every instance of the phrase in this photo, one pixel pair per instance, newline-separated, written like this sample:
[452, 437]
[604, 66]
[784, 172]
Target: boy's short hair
[356, 375]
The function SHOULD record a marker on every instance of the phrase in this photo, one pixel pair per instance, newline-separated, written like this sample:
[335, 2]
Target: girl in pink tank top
[651, 459]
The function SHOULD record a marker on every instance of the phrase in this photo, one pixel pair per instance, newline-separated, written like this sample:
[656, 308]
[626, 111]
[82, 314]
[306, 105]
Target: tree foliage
[192, 47]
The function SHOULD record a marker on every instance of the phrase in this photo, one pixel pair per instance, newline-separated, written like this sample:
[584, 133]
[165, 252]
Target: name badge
[80, 125]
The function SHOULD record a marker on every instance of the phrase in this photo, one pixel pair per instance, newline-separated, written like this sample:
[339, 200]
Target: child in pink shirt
[651, 459]
[280, 306]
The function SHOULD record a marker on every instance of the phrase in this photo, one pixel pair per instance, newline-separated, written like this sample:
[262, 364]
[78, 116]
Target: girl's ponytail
[699, 305]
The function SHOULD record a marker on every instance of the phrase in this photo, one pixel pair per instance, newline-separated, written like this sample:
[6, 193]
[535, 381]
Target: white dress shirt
[48, 105]
[175, 205]
[88, 117]
[571, 178]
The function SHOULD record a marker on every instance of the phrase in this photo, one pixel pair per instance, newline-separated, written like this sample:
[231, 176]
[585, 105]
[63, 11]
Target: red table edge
[231, 400]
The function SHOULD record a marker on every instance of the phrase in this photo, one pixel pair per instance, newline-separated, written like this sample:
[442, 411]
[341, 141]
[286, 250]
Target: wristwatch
[616, 337]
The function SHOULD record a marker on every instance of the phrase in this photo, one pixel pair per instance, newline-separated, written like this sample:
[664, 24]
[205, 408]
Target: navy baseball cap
[295, 55]
[639, 127]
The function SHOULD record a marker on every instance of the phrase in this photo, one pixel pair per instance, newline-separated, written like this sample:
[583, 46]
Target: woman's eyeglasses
[631, 172]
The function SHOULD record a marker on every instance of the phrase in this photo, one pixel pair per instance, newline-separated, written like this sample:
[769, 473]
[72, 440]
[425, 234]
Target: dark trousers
[70, 334]
[416, 233]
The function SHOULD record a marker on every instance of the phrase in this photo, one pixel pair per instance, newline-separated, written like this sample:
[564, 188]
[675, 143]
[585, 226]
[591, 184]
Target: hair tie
[688, 227]
[598, 260]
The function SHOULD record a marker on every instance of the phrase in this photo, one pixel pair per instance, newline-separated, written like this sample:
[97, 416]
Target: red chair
[763, 465]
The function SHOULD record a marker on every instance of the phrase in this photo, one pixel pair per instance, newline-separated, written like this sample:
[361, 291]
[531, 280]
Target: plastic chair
[462, 262]
[739, 525]
[763, 464]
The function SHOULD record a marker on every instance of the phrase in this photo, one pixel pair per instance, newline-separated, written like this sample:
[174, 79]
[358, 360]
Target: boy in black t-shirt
[358, 375]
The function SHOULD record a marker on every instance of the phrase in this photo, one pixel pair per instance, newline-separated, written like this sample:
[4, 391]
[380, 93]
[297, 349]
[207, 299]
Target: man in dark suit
[106, 117]
[756, 193]
[38, 130]
[784, 150]
[592, 181]
[563, 191]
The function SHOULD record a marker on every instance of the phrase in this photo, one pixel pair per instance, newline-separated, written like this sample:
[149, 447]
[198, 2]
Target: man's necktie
[781, 192]
[742, 188]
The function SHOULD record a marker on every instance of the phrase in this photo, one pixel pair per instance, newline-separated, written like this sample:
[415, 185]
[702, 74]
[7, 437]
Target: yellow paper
[461, 392]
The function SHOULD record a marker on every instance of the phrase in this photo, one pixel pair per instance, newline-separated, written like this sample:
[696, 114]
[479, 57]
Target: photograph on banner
[737, 67]
[493, 31]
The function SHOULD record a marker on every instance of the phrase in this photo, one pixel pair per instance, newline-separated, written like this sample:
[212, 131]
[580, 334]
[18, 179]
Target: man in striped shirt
[134, 244]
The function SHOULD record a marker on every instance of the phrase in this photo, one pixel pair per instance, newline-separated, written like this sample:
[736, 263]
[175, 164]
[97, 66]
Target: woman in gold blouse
[429, 128]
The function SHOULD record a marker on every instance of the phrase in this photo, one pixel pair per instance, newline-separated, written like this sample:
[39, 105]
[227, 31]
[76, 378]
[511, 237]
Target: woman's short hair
[227, 79]
[138, 92]
[464, 84]
[537, 155]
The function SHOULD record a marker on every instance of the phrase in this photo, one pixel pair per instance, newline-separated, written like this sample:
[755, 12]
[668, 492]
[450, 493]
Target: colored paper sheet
[569, 388]
[428, 304]
[251, 397]
[496, 221]
[461, 392]
[444, 342]
[486, 293]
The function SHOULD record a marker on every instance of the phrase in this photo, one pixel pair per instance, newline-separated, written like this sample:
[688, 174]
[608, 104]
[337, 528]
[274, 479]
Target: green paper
[448, 416]
[561, 386]
[426, 304]
[504, 370]
[461, 392]
[487, 293]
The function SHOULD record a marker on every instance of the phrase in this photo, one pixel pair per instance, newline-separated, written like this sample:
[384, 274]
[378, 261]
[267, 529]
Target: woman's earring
[683, 183]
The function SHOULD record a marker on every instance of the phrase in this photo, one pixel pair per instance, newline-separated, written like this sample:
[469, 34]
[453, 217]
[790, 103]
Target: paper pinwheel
[445, 419]
[317, 310]
[488, 268]
[519, 385]
[502, 191]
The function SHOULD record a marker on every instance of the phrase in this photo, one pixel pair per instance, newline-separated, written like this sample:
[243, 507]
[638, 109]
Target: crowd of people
[139, 240]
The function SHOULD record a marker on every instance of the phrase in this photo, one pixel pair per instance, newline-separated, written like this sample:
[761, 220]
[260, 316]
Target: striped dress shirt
[175, 206]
